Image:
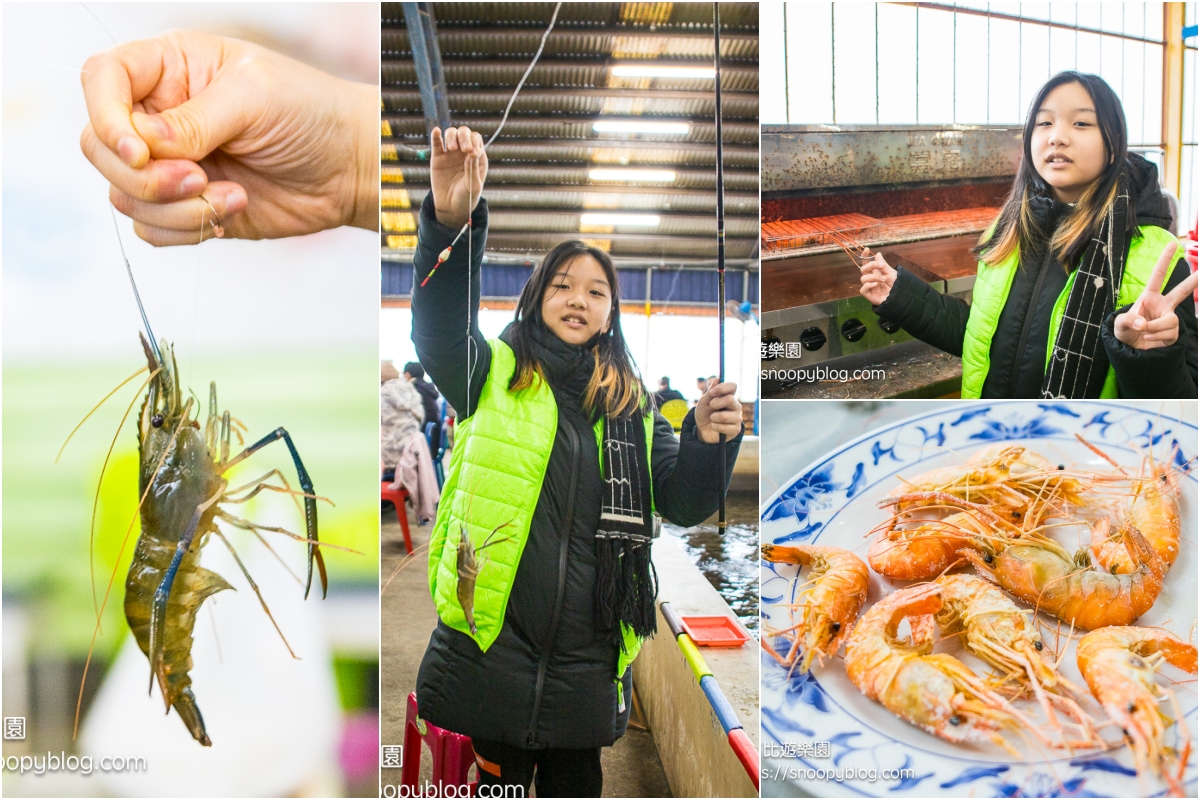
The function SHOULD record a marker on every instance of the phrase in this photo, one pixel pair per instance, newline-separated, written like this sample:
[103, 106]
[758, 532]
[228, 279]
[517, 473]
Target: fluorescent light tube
[637, 220]
[639, 126]
[640, 175]
[662, 71]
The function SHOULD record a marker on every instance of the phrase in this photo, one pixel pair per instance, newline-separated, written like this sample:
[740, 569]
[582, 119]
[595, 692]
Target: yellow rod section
[1172, 105]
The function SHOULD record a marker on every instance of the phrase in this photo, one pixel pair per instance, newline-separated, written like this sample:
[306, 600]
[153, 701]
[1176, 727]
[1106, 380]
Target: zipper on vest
[1033, 301]
[563, 548]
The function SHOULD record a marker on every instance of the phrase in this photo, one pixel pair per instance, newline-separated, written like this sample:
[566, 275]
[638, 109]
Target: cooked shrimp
[1119, 666]
[1039, 571]
[997, 632]
[936, 692]
[1017, 484]
[829, 605]
[931, 547]
[1154, 511]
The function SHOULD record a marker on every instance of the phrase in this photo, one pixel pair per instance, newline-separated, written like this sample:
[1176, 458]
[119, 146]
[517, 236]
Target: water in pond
[730, 562]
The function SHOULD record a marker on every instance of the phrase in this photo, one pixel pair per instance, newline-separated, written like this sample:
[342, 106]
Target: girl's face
[577, 303]
[1067, 146]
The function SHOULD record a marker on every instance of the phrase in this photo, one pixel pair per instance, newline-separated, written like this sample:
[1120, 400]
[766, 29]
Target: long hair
[1016, 224]
[615, 388]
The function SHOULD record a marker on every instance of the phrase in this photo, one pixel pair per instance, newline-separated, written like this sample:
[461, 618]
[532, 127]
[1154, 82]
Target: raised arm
[449, 344]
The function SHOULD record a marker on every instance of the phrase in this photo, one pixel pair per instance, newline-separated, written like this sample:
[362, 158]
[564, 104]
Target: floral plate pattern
[833, 502]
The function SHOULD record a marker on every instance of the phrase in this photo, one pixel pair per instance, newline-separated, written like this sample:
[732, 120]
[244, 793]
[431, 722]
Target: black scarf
[1078, 362]
[626, 582]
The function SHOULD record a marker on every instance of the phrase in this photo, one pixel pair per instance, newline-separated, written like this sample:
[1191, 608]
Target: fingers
[1157, 277]
[186, 216]
[193, 129]
[165, 237]
[1181, 292]
[112, 81]
[463, 140]
[726, 392]
[156, 181]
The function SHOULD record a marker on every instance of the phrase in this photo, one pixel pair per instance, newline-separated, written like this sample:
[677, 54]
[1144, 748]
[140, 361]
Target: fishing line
[528, 70]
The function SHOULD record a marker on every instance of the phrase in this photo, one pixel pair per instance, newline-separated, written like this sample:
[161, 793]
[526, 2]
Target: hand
[187, 124]
[451, 157]
[1151, 321]
[877, 278]
[718, 412]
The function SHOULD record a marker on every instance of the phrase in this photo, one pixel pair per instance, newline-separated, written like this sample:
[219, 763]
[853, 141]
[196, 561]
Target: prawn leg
[158, 609]
[254, 586]
[310, 503]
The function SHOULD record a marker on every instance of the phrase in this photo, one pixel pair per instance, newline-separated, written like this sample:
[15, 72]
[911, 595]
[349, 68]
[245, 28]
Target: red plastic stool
[452, 753]
[398, 498]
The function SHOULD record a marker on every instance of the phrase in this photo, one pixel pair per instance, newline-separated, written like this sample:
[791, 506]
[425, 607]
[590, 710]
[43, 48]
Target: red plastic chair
[452, 753]
[399, 499]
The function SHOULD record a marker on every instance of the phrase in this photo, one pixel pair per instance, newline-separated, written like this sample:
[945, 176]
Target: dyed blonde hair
[615, 388]
[1016, 226]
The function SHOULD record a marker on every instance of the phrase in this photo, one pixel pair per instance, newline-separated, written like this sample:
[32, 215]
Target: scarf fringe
[626, 585]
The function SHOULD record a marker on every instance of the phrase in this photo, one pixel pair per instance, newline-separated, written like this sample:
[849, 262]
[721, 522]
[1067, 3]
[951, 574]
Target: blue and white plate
[833, 502]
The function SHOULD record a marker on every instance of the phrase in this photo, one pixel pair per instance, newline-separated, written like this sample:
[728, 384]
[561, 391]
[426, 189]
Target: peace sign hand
[450, 157]
[1151, 321]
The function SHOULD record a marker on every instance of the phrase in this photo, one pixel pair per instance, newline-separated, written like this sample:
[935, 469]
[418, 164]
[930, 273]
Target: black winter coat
[548, 680]
[1018, 351]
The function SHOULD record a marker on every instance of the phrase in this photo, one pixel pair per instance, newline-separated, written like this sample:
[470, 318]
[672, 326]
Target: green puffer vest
[496, 470]
[992, 285]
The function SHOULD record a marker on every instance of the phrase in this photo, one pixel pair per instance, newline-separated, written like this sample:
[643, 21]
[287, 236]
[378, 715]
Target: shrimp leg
[254, 586]
[158, 610]
[310, 503]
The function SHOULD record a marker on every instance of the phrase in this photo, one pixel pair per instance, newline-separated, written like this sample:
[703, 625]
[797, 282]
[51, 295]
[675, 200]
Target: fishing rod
[720, 256]
[739, 742]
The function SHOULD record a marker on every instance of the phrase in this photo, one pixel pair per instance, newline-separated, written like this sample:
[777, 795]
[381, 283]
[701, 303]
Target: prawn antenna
[133, 283]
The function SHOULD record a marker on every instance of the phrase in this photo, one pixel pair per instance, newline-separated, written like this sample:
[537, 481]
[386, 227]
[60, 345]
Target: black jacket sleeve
[439, 309]
[924, 312]
[1161, 373]
[687, 487]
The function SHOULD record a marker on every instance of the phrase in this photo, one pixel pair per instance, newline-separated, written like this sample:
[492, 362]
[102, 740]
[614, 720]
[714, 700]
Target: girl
[560, 462]
[1075, 297]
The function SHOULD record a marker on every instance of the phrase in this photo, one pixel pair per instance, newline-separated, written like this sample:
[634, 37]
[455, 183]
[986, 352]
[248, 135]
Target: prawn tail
[189, 712]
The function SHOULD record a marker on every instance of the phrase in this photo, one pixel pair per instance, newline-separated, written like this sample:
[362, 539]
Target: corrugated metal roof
[538, 180]
[550, 74]
[571, 176]
[591, 199]
[667, 286]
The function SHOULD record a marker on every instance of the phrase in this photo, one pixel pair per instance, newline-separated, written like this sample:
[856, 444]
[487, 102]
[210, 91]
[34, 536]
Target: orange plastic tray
[714, 631]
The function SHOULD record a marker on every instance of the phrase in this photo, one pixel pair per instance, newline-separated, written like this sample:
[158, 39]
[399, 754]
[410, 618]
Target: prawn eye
[955, 719]
[1113, 569]
[1062, 466]
[1016, 514]
[1038, 645]
[1132, 707]
[987, 558]
[157, 420]
[835, 626]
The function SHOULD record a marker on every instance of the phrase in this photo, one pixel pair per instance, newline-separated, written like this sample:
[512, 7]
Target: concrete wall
[692, 745]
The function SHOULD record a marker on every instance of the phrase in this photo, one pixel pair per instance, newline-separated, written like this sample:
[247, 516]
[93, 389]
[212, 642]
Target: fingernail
[235, 201]
[191, 185]
[127, 149]
[1139, 323]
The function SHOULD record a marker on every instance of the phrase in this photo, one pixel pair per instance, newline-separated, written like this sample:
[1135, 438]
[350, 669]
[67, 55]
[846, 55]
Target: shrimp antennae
[133, 283]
